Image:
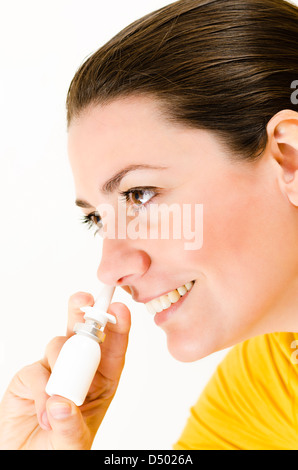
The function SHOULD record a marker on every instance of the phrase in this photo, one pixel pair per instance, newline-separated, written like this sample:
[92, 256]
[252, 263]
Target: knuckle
[54, 343]
[53, 348]
[77, 435]
[31, 370]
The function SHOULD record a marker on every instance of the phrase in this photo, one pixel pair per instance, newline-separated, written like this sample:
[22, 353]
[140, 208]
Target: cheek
[255, 258]
[241, 255]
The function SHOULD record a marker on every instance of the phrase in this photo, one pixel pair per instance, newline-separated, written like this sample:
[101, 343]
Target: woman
[194, 104]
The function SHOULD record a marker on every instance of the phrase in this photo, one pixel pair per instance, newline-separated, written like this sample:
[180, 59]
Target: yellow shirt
[251, 401]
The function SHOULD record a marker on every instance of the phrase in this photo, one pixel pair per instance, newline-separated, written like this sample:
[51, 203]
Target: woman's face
[245, 263]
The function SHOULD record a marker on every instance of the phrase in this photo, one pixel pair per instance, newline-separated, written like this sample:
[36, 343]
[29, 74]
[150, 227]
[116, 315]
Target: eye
[137, 198]
[93, 220]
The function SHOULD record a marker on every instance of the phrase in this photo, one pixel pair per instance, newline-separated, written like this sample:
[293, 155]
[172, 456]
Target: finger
[70, 431]
[52, 351]
[115, 344]
[31, 382]
[76, 301]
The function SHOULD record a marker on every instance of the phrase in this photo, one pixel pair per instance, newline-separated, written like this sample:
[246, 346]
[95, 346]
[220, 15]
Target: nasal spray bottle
[80, 356]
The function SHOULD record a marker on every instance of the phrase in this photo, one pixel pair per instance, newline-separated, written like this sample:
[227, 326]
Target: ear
[282, 131]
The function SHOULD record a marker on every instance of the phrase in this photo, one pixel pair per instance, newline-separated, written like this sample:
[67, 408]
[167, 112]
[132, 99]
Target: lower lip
[164, 315]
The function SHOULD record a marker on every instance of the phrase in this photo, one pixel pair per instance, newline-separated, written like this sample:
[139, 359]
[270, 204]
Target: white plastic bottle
[80, 356]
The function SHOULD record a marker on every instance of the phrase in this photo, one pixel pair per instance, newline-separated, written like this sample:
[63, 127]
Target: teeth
[150, 308]
[182, 290]
[165, 301]
[174, 296]
[156, 304]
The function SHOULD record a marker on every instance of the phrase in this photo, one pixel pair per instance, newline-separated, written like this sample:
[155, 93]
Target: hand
[30, 419]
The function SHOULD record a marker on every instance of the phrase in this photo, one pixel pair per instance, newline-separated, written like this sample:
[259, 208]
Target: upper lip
[145, 300]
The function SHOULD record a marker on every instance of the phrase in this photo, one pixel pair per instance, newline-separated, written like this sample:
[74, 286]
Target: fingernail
[60, 410]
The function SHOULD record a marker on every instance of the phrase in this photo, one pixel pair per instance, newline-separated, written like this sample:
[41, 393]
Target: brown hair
[222, 65]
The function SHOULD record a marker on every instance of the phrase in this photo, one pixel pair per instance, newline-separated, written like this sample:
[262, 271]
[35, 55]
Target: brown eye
[95, 219]
[139, 197]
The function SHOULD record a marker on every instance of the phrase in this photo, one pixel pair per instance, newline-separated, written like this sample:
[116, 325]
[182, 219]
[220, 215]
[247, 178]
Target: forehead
[129, 131]
[123, 132]
[132, 127]
[121, 117]
[132, 131]
[105, 139]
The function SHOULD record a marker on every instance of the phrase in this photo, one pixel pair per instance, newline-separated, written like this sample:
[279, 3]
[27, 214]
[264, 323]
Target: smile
[165, 301]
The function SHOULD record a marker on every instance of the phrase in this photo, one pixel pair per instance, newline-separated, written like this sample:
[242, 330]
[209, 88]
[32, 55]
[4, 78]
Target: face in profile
[222, 292]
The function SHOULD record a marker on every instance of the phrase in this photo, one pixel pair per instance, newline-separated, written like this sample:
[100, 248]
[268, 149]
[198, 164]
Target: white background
[46, 253]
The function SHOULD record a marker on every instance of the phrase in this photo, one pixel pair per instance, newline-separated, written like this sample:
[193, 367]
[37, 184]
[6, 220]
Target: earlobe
[283, 142]
[292, 189]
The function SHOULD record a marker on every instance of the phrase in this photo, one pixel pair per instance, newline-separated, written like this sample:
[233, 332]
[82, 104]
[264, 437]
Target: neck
[282, 316]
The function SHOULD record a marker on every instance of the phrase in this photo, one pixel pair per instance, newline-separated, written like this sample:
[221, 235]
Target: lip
[164, 315]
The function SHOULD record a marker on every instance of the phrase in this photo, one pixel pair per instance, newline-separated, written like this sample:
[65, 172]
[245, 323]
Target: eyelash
[87, 219]
[125, 196]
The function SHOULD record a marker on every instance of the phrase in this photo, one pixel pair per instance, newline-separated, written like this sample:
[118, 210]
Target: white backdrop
[46, 253]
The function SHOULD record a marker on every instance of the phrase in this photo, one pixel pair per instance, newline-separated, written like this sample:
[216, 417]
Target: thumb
[69, 430]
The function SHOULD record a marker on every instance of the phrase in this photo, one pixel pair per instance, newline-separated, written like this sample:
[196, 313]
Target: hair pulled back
[220, 65]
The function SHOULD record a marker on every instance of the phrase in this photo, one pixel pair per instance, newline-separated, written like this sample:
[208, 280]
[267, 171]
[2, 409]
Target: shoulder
[251, 400]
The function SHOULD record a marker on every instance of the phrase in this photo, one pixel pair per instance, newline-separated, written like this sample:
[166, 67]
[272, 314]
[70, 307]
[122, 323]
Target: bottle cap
[98, 312]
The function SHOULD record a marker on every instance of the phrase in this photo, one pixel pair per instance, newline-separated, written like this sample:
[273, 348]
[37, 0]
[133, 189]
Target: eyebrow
[113, 183]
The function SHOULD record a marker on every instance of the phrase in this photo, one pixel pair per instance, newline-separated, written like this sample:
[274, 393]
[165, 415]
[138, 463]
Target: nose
[121, 264]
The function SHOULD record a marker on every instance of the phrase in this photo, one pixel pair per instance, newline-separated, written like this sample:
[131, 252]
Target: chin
[187, 350]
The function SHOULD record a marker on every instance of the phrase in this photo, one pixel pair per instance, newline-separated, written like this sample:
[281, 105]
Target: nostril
[123, 280]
